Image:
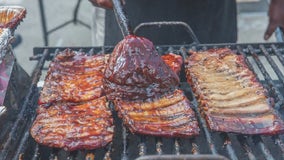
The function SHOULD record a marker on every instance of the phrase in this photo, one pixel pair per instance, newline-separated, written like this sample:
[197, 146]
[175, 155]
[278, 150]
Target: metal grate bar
[280, 143]
[36, 152]
[272, 63]
[22, 146]
[258, 141]
[159, 144]
[228, 144]
[142, 146]
[195, 149]
[108, 151]
[245, 146]
[266, 76]
[53, 154]
[177, 147]
[124, 141]
[277, 52]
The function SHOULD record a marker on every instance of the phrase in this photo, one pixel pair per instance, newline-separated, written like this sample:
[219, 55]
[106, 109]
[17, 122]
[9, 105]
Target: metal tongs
[126, 30]
[121, 19]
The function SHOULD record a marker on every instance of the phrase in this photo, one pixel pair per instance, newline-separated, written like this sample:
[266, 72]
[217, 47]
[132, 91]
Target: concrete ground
[252, 21]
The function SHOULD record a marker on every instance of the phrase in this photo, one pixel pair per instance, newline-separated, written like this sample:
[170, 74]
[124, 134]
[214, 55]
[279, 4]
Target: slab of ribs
[73, 111]
[229, 94]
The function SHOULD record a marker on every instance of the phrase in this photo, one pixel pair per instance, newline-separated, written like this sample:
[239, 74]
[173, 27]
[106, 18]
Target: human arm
[107, 4]
[276, 17]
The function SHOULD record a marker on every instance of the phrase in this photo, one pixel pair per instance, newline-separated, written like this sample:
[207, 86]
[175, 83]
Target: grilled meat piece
[142, 85]
[73, 126]
[174, 61]
[74, 77]
[136, 71]
[73, 112]
[170, 115]
[11, 16]
[230, 96]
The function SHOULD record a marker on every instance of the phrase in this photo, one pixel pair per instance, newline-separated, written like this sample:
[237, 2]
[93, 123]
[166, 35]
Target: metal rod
[246, 147]
[228, 145]
[170, 23]
[266, 76]
[272, 63]
[43, 22]
[35, 156]
[194, 149]
[76, 11]
[142, 146]
[121, 18]
[280, 144]
[177, 147]
[124, 141]
[159, 144]
[278, 54]
[23, 144]
[258, 141]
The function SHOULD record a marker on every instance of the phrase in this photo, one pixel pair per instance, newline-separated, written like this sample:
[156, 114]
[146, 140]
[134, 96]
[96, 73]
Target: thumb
[269, 31]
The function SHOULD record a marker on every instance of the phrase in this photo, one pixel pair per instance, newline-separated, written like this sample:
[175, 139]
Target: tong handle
[121, 18]
[170, 23]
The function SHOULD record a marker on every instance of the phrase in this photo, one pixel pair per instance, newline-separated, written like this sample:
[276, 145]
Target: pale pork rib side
[229, 94]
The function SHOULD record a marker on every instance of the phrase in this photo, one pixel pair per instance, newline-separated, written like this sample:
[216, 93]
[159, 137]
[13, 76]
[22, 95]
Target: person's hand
[107, 4]
[276, 17]
[102, 3]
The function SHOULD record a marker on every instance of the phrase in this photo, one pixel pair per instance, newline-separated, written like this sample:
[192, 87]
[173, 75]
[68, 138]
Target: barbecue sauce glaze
[137, 72]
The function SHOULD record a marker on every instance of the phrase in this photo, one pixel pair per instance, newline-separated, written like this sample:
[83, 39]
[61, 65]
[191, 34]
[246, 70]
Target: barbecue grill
[265, 59]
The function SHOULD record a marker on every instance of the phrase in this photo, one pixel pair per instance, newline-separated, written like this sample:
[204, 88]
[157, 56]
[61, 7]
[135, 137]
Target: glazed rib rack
[266, 60]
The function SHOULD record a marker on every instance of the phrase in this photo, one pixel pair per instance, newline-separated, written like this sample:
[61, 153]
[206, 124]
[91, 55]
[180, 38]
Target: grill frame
[232, 146]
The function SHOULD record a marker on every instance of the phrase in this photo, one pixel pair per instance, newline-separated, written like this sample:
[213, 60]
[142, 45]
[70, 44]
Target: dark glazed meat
[74, 77]
[73, 113]
[229, 94]
[74, 126]
[142, 85]
[170, 116]
[136, 71]
[174, 61]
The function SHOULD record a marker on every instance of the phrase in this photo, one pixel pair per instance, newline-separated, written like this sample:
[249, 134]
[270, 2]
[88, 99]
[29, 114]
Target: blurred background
[252, 22]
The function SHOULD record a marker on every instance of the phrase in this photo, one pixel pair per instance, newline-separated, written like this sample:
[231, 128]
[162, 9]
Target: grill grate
[263, 59]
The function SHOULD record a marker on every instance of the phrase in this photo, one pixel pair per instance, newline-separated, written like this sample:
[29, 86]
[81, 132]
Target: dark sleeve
[213, 21]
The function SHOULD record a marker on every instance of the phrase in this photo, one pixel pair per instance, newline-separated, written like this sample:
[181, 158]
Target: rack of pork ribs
[73, 111]
[230, 96]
